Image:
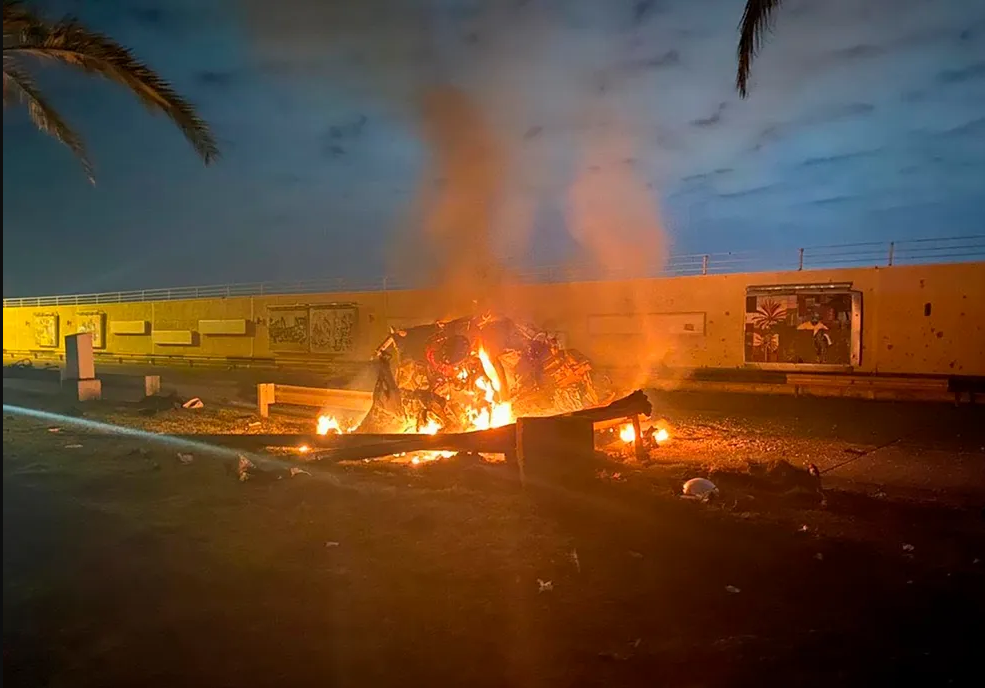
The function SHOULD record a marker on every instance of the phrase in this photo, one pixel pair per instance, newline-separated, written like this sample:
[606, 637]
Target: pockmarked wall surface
[926, 319]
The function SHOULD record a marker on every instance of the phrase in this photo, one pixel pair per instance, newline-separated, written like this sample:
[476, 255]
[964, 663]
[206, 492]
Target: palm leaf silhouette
[28, 35]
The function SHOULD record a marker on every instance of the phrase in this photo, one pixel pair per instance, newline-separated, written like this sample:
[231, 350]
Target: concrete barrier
[50, 380]
[270, 393]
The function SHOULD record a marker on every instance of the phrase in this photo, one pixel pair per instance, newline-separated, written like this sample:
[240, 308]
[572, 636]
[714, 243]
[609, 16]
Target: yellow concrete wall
[896, 335]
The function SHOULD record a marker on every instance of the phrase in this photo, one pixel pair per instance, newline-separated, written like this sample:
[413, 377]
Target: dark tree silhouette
[27, 35]
[757, 21]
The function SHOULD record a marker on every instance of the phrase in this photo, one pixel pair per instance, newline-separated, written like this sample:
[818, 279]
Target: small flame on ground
[304, 449]
[661, 435]
[493, 416]
[427, 456]
[627, 433]
[431, 428]
[327, 424]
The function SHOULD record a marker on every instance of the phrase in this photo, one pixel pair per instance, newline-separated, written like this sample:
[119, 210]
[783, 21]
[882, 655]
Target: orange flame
[661, 435]
[494, 414]
[490, 370]
[627, 433]
[327, 424]
[431, 428]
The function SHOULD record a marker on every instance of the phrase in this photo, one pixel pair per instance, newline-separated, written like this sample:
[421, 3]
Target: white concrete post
[79, 372]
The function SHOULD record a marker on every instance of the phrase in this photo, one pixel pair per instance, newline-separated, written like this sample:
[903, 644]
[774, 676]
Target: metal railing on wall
[863, 254]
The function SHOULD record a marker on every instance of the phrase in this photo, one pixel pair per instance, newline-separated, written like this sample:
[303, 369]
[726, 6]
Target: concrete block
[84, 390]
[152, 385]
[173, 337]
[222, 327]
[265, 397]
[128, 327]
[551, 446]
[79, 361]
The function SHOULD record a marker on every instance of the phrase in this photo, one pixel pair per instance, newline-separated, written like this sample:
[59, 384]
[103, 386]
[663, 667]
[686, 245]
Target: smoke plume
[519, 115]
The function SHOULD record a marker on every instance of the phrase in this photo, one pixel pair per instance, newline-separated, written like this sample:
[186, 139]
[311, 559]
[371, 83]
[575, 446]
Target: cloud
[776, 132]
[154, 17]
[962, 74]
[643, 10]
[670, 58]
[216, 79]
[712, 119]
[973, 127]
[707, 176]
[839, 159]
[861, 51]
[834, 200]
[753, 191]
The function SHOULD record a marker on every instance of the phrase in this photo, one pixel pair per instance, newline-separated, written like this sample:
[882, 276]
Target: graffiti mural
[46, 330]
[287, 328]
[794, 328]
[332, 329]
[94, 324]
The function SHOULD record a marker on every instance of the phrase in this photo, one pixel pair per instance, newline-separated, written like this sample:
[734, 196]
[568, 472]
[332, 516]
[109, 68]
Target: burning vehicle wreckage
[476, 374]
[460, 385]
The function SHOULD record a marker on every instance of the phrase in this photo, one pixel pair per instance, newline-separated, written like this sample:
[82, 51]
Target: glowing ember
[427, 456]
[304, 449]
[661, 435]
[328, 424]
[626, 433]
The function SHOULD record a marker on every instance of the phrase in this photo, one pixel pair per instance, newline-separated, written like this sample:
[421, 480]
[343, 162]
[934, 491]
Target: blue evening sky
[866, 121]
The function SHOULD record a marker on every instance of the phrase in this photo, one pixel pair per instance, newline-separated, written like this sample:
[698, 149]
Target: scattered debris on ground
[243, 468]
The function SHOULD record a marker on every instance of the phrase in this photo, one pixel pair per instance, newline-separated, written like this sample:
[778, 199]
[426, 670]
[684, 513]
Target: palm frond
[68, 42]
[18, 84]
[18, 21]
[757, 21]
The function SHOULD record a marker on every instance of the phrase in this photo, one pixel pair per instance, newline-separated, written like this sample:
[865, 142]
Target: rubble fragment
[702, 488]
[243, 468]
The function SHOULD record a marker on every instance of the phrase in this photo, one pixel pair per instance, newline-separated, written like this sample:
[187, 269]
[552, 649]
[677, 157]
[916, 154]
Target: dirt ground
[123, 565]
